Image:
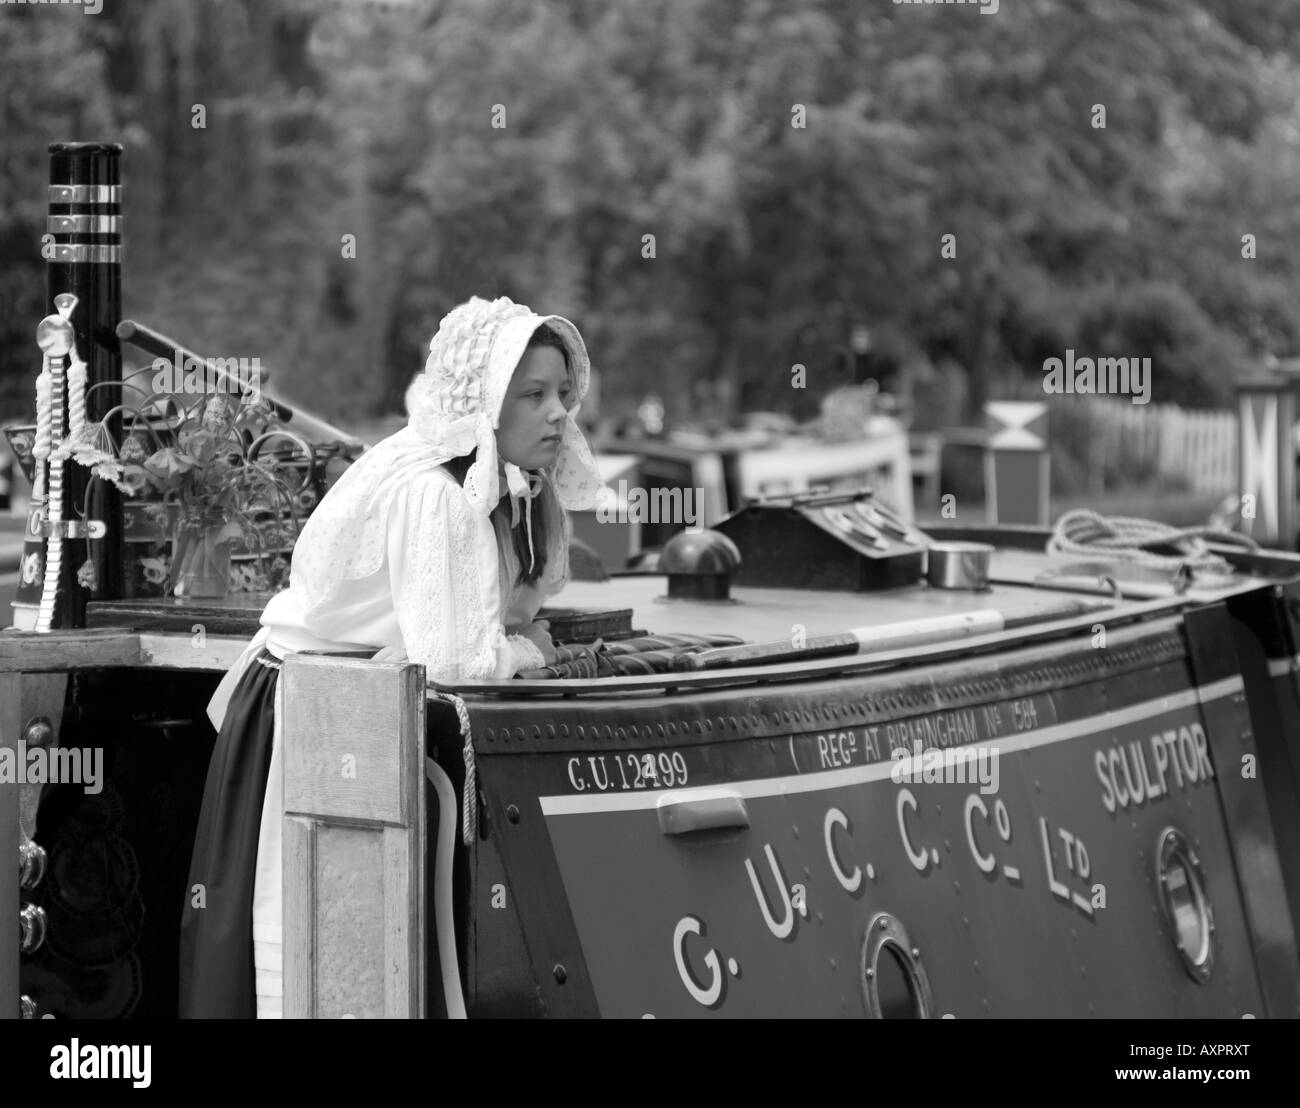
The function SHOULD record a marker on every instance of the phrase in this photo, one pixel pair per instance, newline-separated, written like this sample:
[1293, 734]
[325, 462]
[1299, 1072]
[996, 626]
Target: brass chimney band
[82, 252]
[85, 194]
[84, 224]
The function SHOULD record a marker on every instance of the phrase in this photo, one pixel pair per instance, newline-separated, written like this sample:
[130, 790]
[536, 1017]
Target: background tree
[678, 119]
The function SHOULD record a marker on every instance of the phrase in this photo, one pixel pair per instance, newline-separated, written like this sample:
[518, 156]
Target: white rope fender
[1124, 539]
[469, 824]
[77, 375]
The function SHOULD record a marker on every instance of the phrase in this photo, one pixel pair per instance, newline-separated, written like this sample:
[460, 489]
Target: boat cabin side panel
[1039, 832]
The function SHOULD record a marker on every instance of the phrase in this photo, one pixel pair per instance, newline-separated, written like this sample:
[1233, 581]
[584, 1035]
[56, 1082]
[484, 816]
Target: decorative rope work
[469, 822]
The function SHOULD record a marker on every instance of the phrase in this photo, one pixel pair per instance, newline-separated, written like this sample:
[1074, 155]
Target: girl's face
[532, 415]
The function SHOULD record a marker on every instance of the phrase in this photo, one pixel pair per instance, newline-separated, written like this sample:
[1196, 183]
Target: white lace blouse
[446, 595]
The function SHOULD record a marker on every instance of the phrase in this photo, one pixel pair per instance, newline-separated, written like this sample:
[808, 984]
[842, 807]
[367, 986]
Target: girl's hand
[538, 633]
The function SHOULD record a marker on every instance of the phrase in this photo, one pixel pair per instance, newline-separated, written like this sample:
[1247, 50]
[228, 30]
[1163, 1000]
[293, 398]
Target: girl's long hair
[548, 513]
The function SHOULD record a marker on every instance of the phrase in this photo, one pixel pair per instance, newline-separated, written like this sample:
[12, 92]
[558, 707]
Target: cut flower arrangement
[211, 476]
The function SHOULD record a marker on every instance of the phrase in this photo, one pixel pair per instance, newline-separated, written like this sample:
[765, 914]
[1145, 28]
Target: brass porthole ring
[889, 959]
[1186, 903]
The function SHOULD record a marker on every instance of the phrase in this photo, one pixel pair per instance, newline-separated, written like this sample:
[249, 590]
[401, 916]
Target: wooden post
[354, 838]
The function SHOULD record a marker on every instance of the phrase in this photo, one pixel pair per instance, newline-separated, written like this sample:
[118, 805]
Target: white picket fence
[1157, 444]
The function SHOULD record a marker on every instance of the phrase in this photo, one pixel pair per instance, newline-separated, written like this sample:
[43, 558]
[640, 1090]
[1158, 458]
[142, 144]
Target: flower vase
[200, 561]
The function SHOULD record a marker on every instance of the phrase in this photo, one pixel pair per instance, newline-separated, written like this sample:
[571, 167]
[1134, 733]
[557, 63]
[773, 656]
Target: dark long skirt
[216, 959]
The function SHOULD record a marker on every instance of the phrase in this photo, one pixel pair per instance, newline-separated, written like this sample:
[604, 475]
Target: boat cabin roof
[1037, 595]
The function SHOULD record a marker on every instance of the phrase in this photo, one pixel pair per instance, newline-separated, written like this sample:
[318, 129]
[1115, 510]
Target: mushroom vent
[699, 565]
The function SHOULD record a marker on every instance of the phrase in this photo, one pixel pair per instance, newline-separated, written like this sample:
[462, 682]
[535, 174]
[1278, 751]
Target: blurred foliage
[674, 118]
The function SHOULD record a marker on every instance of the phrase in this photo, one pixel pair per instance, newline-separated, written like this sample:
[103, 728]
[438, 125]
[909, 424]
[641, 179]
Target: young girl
[438, 545]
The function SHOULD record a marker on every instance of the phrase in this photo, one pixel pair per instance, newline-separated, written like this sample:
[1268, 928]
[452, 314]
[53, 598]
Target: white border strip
[878, 771]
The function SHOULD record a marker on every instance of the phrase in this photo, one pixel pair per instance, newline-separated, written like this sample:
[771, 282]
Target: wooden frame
[354, 838]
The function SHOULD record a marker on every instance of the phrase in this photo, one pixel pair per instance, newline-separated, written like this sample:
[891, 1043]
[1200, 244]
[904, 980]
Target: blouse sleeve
[442, 559]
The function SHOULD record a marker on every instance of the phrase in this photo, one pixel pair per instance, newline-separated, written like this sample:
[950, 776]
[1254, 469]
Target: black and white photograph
[674, 509]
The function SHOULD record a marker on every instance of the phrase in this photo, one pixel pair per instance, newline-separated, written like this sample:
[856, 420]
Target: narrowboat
[819, 762]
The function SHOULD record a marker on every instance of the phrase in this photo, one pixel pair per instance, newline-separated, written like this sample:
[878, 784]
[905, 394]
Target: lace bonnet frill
[454, 407]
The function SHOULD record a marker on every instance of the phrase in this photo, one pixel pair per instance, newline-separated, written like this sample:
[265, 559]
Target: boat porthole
[894, 984]
[1186, 903]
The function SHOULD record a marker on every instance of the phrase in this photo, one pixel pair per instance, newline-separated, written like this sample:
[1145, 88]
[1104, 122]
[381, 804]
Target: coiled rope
[1123, 539]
